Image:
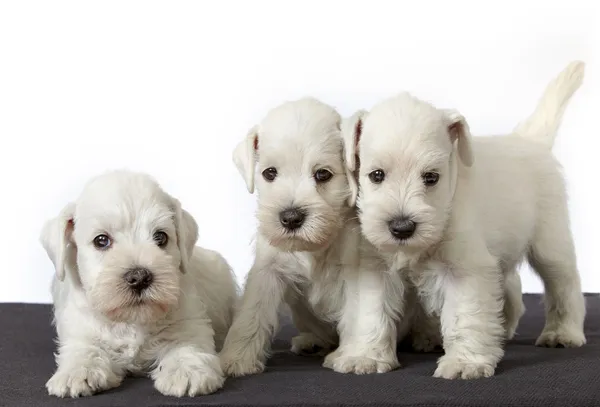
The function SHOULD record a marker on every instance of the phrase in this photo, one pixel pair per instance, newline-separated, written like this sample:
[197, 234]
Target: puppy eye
[160, 238]
[323, 175]
[431, 178]
[102, 242]
[377, 176]
[269, 174]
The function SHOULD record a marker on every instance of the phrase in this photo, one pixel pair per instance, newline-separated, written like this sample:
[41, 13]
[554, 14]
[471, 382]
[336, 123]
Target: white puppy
[308, 237]
[455, 214]
[131, 292]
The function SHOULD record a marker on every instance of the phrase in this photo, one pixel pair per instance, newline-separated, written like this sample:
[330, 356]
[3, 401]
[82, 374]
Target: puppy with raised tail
[457, 215]
[132, 294]
[308, 237]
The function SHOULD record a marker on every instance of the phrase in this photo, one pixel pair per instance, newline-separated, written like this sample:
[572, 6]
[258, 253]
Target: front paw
[243, 364]
[81, 381]
[308, 344]
[363, 364]
[450, 367]
[180, 377]
[561, 338]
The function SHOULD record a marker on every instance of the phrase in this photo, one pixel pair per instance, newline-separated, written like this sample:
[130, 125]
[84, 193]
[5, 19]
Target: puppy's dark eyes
[323, 175]
[269, 174]
[160, 238]
[102, 242]
[430, 178]
[377, 176]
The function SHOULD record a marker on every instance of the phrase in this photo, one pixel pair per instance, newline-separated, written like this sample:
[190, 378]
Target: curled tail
[543, 124]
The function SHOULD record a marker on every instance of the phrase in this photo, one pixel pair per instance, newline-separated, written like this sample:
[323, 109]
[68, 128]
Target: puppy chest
[429, 280]
[321, 286]
[130, 350]
[325, 300]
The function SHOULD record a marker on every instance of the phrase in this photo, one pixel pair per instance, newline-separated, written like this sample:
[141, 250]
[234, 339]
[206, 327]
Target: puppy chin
[296, 244]
[114, 299]
[316, 234]
[301, 240]
[377, 233]
[143, 313]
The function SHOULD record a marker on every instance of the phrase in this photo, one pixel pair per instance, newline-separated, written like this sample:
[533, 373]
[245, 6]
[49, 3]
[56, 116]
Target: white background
[171, 87]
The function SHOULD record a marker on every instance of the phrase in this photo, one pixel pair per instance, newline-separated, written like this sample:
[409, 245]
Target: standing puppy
[132, 294]
[457, 214]
[308, 236]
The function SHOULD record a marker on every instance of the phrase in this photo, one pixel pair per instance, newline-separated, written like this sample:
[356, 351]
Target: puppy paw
[341, 363]
[241, 365]
[450, 367]
[192, 379]
[81, 381]
[331, 358]
[307, 344]
[426, 343]
[561, 338]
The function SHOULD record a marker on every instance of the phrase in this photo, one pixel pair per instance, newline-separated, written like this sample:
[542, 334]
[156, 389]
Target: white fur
[313, 269]
[106, 331]
[379, 310]
[498, 200]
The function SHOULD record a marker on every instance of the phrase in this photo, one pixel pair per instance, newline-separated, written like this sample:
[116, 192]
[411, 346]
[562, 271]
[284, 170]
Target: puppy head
[408, 153]
[295, 157]
[125, 242]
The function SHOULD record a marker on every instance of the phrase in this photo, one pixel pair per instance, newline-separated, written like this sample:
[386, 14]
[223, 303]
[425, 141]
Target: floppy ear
[244, 157]
[351, 131]
[459, 130]
[56, 238]
[187, 234]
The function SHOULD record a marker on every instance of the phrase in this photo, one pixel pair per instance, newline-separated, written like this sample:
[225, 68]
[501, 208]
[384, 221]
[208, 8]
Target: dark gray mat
[528, 376]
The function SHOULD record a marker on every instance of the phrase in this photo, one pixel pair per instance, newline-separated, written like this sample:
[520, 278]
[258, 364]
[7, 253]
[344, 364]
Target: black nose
[138, 279]
[402, 228]
[292, 218]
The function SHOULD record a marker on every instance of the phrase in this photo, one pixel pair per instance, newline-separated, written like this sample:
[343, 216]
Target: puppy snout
[292, 218]
[138, 279]
[402, 227]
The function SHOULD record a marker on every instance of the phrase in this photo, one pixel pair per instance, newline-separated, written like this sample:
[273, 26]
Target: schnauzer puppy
[456, 214]
[132, 294]
[308, 237]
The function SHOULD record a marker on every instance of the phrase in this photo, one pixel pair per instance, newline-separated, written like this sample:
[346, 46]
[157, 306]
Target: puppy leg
[552, 256]
[316, 337]
[188, 363]
[246, 345]
[514, 308]
[472, 327]
[368, 326]
[83, 369]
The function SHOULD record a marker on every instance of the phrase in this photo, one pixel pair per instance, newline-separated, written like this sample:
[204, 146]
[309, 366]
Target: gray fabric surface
[528, 376]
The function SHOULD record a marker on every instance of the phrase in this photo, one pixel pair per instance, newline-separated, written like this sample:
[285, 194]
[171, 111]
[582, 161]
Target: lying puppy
[308, 237]
[457, 214]
[132, 294]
